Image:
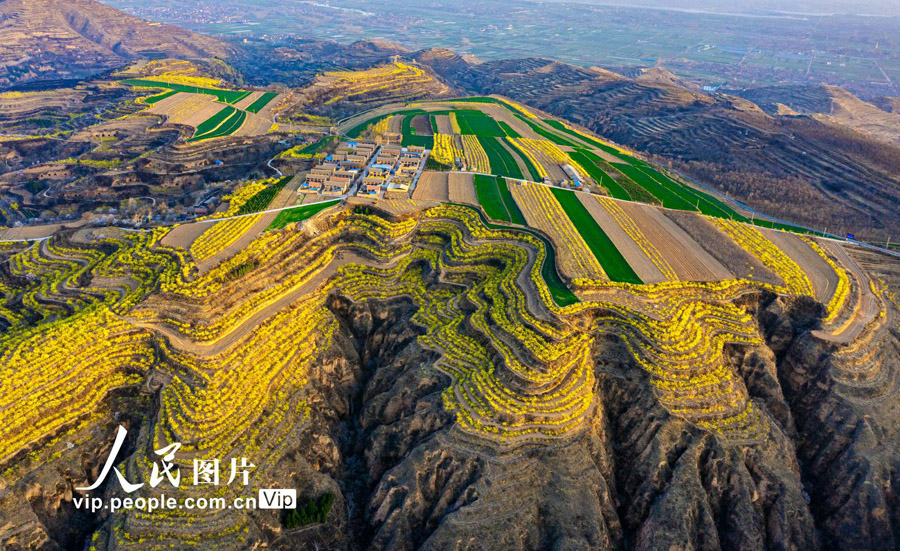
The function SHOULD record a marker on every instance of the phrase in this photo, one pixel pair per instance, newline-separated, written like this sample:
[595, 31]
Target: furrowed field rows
[606, 253]
[500, 160]
[220, 236]
[476, 157]
[513, 376]
[263, 198]
[542, 211]
[447, 148]
[537, 170]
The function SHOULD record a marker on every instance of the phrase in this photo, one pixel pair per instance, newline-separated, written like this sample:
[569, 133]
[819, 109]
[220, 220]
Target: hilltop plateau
[453, 304]
[835, 166]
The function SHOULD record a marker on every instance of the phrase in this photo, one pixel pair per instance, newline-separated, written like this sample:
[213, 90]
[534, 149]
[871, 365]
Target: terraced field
[494, 136]
[395, 82]
[224, 96]
[512, 349]
[419, 363]
[212, 112]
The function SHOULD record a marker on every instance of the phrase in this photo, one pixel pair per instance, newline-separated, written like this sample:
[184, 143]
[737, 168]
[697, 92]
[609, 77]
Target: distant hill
[52, 40]
[836, 165]
[831, 104]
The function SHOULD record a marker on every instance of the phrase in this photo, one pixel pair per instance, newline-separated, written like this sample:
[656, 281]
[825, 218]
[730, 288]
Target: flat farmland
[500, 113]
[478, 123]
[433, 186]
[636, 255]
[226, 122]
[687, 258]
[614, 264]
[461, 188]
[543, 212]
[421, 125]
[476, 157]
[496, 200]
[209, 112]
[442, 124]
[411, 135]
[264, 103]
[183, 236]
[395, 124]
[248, 101]
[225, 96]
[549, 166]
[729, 254]
[187, 109]
[254, 125]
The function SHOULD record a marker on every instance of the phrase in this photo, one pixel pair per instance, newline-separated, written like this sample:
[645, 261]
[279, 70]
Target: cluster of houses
[341, 169]
[375, 168]
[395, 169]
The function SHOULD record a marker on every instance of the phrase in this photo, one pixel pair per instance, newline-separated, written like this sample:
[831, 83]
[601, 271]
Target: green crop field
[488, 99]
[515, 215]
[224, 123]
[490, 199]
[310, 150]
[357, 130]
[411, 138]
[545, 133]
[478, 124]
[497, 201]
[501, 161]
[299, 214]
[620, 186]
[534, 174]
[225, 96]
[614, 264]
[706, 203]
[599, 145]
[668, 197]
[261, 102]
[159, 97]
[615, 190]
[509, 130]
[213, 122]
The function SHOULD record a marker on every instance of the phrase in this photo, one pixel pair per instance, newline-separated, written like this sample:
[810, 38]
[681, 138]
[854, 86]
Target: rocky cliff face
[404, 476]
[634, 478]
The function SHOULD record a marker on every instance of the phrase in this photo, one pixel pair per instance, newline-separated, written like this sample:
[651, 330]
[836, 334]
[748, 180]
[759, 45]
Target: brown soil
[735, 259]
[820, 273]
[462, 188]
[443, 124]
[422, 125]
[686, 256]
[636, 258]
[432, 186]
